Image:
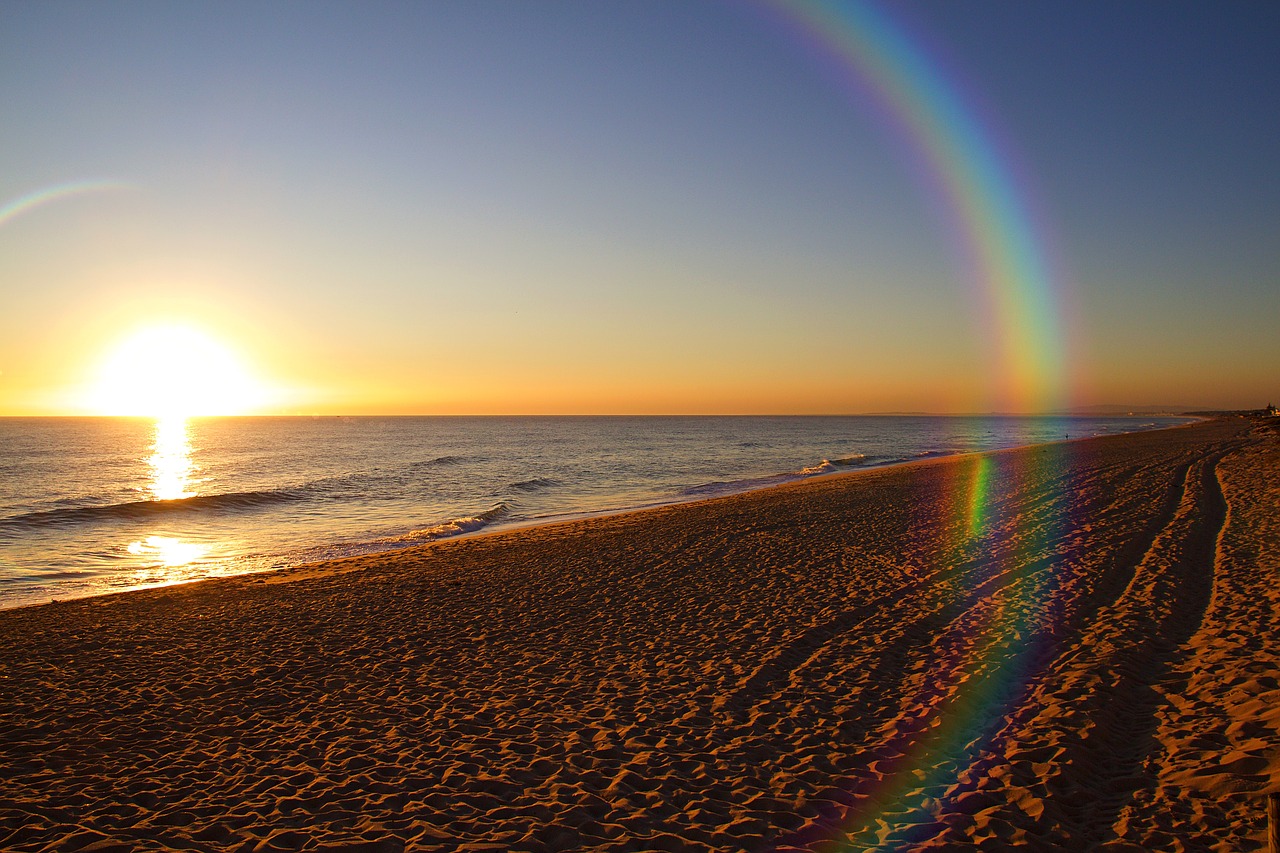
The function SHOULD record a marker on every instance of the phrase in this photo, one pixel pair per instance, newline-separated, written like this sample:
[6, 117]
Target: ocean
[97, 505]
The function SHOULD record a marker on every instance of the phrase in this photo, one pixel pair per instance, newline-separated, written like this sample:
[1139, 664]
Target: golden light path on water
[171, 465]
[171, 479]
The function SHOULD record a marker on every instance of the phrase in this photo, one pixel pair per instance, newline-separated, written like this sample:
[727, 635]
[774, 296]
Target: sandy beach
[1069, 646]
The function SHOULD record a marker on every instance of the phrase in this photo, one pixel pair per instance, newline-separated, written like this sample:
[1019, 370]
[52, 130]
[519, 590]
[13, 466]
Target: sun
[174, 371]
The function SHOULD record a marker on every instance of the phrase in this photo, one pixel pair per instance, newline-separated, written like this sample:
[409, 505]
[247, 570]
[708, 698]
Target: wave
[439, 460]
[728, 487]
[953, 451]
[537, 484]
[134, 510]
[375, 480]
[452, 527]
[363, 484]
[827, 466]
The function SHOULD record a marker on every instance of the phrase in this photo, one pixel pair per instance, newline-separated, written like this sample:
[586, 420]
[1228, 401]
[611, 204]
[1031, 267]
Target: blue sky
[545, 206]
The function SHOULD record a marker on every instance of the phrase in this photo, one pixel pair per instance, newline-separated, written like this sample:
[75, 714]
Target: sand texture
[1072, 646]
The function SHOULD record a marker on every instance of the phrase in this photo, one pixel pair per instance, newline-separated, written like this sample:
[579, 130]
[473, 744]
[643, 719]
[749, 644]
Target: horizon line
[1100, 410]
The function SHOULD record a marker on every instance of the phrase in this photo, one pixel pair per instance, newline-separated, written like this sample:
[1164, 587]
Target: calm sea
[98, 505]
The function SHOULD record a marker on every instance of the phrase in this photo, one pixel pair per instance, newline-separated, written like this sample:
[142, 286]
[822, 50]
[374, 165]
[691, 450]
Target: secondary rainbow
[45, 195]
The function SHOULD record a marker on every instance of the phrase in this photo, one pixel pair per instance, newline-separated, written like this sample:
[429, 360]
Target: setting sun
[174, 371]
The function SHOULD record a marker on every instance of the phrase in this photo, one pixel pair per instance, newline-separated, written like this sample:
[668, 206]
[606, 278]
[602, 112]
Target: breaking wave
[727, 487]
[131, 510]
[452, 527]
[827, 466]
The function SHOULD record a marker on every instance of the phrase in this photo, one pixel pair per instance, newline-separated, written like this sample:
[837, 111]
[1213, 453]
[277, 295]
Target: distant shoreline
[494, 515]
[783, 481]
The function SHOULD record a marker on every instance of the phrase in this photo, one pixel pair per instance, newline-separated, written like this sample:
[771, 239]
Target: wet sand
[1067, 646]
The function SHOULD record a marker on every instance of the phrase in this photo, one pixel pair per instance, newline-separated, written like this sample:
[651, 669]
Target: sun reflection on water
[171, 466]
[171, 479]
[168, 550]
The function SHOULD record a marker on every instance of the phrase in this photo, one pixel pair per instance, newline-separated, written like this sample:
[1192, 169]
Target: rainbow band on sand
[973, 176]
[57, 192]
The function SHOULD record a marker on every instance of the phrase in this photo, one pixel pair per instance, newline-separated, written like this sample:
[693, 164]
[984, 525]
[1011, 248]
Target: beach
[1070, 645]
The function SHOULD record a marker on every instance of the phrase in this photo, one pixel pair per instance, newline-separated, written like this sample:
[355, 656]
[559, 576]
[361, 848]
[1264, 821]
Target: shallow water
[93, 505]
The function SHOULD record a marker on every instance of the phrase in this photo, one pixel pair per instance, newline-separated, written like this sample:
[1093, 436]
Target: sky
[642, 207]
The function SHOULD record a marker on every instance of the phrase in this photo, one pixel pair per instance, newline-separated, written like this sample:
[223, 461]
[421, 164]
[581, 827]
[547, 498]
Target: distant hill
[1111, 410]
[1078, 411]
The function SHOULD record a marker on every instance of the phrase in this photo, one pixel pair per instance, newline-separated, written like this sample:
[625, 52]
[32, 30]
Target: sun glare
[174, 372]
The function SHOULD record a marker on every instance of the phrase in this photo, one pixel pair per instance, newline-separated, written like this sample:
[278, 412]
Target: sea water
[96, 505]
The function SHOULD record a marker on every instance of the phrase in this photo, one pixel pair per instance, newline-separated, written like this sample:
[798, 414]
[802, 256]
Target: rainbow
[970, 173]
[984, 666]
[37, 198]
